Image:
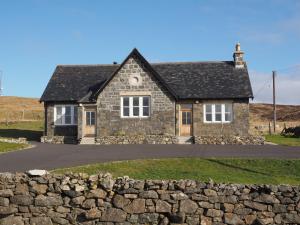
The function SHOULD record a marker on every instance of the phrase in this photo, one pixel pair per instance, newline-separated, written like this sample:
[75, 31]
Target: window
[186, 118]
[90, 118]
[65, 115]
[218, 113]
[135, 106]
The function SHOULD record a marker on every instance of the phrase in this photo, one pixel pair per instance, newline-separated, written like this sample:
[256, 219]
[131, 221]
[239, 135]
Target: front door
[186, 120]
[90, 123]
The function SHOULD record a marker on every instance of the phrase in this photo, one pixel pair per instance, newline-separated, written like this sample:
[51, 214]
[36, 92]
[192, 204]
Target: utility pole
[274, 102]
[1, 89]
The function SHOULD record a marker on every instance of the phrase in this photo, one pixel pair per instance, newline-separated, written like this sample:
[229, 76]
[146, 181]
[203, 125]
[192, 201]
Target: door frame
[89, 109]
[180, 119]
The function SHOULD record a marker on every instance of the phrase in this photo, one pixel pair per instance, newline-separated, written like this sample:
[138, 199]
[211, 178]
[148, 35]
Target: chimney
[238, 57]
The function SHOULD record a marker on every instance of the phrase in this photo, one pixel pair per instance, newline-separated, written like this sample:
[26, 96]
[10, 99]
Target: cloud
[287, 86]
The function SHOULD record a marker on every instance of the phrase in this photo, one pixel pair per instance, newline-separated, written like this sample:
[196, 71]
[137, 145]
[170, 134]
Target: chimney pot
[238, 57]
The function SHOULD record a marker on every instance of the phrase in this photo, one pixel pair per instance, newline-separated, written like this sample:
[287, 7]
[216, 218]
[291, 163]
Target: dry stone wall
[231, 140]
[14, 140]
[137, 139]
[102, 200]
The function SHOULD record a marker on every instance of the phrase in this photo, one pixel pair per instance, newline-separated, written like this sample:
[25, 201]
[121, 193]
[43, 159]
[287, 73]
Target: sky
[37, 35]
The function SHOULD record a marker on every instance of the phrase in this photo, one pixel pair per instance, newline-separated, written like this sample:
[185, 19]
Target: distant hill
[20, 109]
[264, 112]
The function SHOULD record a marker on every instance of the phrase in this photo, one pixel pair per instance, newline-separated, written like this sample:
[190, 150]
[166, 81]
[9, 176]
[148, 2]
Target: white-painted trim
[141, 106]
[213, 112]
[73, 122]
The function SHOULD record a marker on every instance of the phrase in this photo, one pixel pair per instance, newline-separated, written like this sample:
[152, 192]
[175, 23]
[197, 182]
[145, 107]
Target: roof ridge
[191, 62]
[151, 63]
[85, 65]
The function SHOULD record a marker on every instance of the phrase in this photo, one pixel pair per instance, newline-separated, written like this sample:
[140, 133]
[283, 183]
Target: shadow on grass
[31, 135]
[236, 167]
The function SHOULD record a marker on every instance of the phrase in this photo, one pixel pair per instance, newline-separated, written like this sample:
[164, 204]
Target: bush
[291, 132]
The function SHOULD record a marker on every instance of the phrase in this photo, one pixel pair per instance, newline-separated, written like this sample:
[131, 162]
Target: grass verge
[281, 140]
[32, 130]
[246, 171]
[8, 147]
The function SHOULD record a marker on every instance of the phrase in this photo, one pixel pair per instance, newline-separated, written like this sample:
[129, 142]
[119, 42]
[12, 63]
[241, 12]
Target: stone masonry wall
[102, 200]
[162, 110]
[238, 127]
[137, 139]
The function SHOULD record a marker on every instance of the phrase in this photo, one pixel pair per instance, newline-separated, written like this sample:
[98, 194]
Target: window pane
[188, 118]
[218, 108]
[208, 108]
[67, 119]
[136, 101]
[92, 118]
[68, 110]
[228, 117]
[75, 114]
[145, 111]
[183, 117]
[136, 111]
[126, 111]
[218, 117]
[58, 110]
[125, 101]
[88, 118]
[208, 117]
[186, 106]
[145, 101]
[58, 119]
[227, 108]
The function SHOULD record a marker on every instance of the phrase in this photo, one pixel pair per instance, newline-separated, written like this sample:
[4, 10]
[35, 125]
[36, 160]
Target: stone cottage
[141, 102]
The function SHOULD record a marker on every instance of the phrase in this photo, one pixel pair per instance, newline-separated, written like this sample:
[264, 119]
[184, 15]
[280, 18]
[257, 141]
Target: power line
[263, 86]
[297, 66]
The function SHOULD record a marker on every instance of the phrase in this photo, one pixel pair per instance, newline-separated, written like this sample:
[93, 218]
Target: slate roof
[185, 80]
[206, 80]
[76, 83]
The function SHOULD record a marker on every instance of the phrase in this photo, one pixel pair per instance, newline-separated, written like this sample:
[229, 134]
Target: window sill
[65, 125]
[135, 117]
[217, 122]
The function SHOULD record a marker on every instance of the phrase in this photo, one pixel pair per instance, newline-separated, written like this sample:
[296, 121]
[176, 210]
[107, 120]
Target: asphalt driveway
[50, 156]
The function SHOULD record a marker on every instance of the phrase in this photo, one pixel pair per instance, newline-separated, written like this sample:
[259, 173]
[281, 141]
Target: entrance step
[185, 140]
[87, 141]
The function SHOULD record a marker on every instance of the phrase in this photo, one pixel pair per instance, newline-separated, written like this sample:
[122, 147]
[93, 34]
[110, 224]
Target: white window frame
[213, 113]
[141, 107]
[90, 119]
[63, 108]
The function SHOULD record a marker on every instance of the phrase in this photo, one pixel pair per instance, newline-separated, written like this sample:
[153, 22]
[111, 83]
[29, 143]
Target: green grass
[247, 171]
[8, 147]
[281, 140]
[32, 130]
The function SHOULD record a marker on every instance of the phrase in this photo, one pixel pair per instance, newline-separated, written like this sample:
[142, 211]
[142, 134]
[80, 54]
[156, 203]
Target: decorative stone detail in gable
[133, 77]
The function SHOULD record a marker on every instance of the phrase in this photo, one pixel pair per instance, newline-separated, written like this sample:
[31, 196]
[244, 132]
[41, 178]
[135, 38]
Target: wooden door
[90, 123]
[186, 122]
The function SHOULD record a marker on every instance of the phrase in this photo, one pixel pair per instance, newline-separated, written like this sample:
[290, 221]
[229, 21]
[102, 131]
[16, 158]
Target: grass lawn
[281, 140]
[247, 171]
[8, 147]
[32, 130]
